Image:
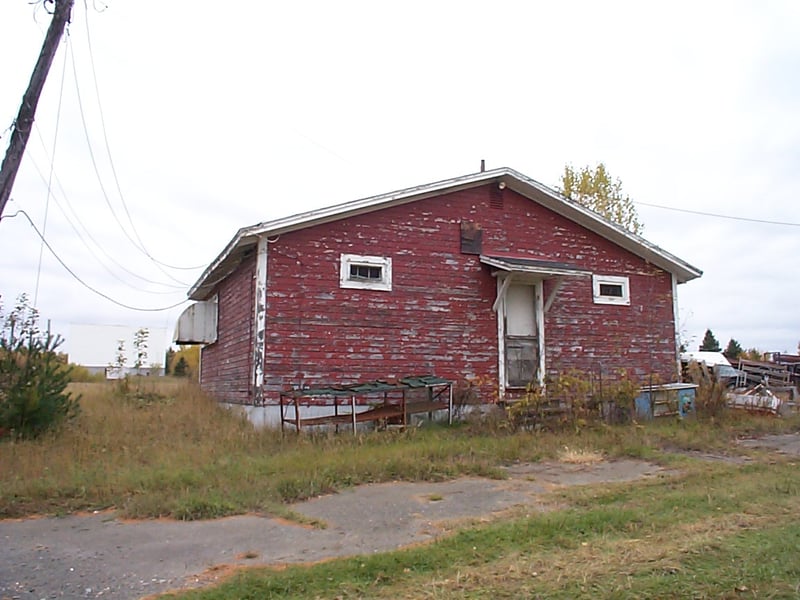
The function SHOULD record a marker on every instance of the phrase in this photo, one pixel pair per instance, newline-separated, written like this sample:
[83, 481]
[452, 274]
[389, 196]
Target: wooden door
[521, 340]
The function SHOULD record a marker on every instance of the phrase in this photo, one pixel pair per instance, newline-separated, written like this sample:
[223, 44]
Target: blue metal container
[669, 399]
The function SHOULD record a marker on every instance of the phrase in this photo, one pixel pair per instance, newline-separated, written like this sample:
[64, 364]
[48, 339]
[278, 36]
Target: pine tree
[710, 343]
[181, 368]
[733, 350]
[33, 381]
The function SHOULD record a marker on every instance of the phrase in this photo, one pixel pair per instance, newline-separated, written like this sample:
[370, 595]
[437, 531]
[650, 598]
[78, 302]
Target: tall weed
[184, 456]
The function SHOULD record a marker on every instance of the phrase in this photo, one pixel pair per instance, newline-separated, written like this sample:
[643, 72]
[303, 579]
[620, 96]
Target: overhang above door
[544, 269]
[521, 269]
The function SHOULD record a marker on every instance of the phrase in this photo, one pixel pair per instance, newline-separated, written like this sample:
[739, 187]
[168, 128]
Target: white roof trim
[224, 264]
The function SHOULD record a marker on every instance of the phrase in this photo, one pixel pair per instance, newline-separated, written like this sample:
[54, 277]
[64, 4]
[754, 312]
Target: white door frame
[503, 282]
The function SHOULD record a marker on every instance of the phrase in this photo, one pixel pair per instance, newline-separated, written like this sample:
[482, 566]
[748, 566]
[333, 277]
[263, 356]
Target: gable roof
[247, 237]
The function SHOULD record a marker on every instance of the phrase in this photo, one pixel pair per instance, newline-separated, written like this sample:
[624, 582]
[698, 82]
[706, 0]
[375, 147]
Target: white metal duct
[197, 324]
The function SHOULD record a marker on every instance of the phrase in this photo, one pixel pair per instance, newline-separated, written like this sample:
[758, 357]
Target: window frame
[616, 280]
[384, 284]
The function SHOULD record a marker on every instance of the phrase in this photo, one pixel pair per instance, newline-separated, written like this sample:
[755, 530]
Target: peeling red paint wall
[438, 317]
[606, 339]
[225, 365]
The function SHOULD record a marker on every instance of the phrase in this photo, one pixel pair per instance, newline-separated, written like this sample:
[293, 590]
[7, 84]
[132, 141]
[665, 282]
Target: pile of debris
[758, 399]
[755, 372]
[791, 362]
[769, 386]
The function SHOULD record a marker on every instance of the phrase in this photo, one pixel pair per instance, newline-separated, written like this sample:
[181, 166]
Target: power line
[95, 3]
[50, 178]
[719, 216]
[97, 171]
[81, 281]
[111, 159]
[89, 235]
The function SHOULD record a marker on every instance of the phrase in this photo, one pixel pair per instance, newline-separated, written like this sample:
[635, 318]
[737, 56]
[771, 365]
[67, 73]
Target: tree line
[734, 350]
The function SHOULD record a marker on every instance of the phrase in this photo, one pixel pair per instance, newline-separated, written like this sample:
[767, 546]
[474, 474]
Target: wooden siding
[438, 316]
[225, 366]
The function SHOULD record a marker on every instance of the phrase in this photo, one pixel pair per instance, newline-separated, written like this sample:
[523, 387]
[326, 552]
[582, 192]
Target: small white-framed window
[611, 289]
[365, 272]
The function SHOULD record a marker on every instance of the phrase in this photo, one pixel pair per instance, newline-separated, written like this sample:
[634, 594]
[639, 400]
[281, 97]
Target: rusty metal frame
[439, 397]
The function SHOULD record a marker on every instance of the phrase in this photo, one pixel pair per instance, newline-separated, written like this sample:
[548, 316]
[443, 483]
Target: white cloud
[221, 115]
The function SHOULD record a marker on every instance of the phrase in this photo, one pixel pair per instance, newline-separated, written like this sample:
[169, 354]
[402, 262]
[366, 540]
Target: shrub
[80, 374]
[33, 381]
[573, 391]
[711, 396]
[572, 400]
[525, 412]
[616, 398]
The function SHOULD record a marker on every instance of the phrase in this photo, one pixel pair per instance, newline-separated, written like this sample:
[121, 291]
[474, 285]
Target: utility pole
[27, 111]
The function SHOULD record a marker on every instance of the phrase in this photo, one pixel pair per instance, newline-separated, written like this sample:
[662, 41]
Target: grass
[172, 452]
[717, 530]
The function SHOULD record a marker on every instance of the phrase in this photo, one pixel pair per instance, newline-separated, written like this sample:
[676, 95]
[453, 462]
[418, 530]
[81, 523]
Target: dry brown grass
[118, 446]
[165, 449]
[579, 456]
[619, 558]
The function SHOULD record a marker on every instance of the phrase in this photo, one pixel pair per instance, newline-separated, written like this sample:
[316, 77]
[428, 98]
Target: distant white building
[96, 348]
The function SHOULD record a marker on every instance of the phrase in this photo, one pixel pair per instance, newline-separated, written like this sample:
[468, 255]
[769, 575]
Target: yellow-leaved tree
[597, 190]
[185, 362]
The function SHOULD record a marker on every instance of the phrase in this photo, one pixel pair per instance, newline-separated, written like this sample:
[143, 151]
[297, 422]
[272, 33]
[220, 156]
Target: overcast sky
[219, 115]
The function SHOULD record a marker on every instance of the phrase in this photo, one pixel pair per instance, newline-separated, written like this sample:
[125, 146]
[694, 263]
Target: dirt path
[99, 556]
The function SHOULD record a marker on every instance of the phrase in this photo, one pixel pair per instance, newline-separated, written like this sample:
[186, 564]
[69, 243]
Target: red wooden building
[491, 275]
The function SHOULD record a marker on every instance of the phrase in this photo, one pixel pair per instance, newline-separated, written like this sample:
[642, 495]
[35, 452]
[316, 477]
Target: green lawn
[715, 530]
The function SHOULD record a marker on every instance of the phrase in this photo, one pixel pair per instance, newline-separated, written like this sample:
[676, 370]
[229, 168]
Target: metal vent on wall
[495, 197]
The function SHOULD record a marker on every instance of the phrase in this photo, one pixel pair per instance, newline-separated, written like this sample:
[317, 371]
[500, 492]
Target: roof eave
[548, 197]
[201, 290]
[372, 203]
[222, 266]
[586, 217]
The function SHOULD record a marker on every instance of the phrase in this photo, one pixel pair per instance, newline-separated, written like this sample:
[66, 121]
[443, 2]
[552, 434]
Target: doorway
[521, 335]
